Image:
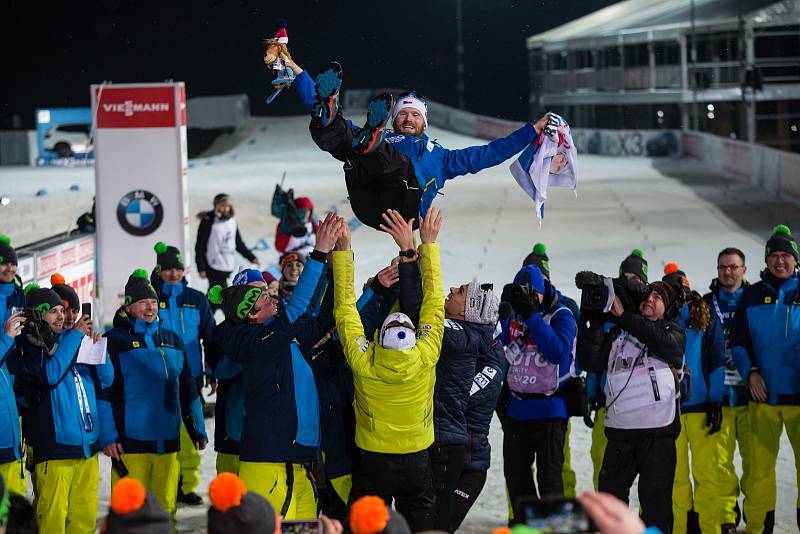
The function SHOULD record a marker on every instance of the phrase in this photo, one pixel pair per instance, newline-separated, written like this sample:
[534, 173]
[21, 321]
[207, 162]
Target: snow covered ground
[671, 209]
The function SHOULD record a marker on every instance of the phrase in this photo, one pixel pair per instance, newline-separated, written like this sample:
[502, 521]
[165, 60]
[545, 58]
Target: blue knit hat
[247, 276]
[530, 274]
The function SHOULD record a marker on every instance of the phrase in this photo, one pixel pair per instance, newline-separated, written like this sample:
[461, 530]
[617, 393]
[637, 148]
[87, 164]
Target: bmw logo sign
[140, 213]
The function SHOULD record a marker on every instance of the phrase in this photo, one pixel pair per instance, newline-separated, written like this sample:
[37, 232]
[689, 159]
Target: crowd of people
[326, 398]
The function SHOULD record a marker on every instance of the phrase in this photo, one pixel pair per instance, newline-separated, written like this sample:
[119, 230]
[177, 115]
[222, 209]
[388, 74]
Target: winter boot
[328, 83]
[370, 137]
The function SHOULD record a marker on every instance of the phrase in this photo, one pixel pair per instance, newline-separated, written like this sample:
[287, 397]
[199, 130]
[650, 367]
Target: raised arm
[431, 317]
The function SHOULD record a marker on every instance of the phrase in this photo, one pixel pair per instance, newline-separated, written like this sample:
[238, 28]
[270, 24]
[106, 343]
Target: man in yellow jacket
[394, 375]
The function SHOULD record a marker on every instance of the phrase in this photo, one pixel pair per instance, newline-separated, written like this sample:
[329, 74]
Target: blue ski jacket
[11, 296]
[723, 304]
[10, 440]
[153, 390]
[555, 341]
[765, 336]
[281, 402]
[186, 312]
[229, 410]
[61, 396]
[703, 355]
[433, 163]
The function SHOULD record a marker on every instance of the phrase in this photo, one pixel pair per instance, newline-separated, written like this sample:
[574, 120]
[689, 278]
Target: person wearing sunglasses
[401, 168]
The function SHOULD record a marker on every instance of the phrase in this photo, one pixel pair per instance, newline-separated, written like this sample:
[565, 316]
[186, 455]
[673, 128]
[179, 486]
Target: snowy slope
[671, 209]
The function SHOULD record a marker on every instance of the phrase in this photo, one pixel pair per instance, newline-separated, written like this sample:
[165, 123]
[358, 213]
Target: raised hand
[328, 232]
[13, 325]
[401, 231]
[344, 241]
[429, 226]
[388, 276]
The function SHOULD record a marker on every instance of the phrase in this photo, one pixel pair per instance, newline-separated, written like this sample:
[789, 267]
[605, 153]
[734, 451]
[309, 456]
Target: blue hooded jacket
[704, 356]
[11, 296]
[555, 341]
[434, 164]
[723, 304]
[61, 396]
[765, 336]
[10, 440]
[153, 389]
[186, 312]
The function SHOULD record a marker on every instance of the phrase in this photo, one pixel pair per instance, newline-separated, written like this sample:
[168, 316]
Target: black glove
[713, 417]
[523, 299]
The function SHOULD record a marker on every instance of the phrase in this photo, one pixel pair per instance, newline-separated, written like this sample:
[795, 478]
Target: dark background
[52, 52]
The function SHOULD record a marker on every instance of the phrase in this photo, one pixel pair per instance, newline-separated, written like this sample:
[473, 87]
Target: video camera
[598, 292]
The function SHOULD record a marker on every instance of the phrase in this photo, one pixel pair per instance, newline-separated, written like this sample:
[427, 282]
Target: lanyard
[83, 401]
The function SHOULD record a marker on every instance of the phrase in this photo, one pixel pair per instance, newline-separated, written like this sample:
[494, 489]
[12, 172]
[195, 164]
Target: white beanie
[410, 101]
[397, 332]
[482, 305]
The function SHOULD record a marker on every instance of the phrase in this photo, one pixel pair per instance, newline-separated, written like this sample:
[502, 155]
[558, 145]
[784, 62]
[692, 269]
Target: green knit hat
[167, 257]
[781, 240]
[138, 288]
[539, 258]
[636, 264]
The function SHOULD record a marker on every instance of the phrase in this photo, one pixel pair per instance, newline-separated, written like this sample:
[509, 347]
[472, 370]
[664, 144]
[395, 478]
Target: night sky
[53, 51]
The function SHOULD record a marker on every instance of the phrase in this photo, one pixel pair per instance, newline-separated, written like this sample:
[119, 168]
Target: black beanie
[636, 264]
[538, 257]
[234, 510]
[7, 252]
[167, 257]
[66, 292]
[138, 288]
[134, 510]
[669, 293]
[781, 241]
[237, 301]
[41, 299]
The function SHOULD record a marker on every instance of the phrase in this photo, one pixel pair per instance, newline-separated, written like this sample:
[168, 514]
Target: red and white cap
[281, 36]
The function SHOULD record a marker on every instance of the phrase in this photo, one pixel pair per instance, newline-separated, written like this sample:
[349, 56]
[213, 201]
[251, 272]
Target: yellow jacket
[394, 389]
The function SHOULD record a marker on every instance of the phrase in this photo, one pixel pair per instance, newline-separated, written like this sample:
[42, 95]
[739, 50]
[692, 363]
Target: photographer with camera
[592, 326]
[644, 354]
[63, 423]
[11, 293]
[539, 335]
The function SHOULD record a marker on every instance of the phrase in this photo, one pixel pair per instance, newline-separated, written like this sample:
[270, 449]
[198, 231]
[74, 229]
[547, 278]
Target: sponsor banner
[26, 269]
[140, 181]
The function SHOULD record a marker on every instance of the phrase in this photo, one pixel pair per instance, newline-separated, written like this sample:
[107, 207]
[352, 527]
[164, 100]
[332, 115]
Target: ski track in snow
[672, 209]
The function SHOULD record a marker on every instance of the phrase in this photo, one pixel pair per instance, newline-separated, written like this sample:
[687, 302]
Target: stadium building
[727, 67]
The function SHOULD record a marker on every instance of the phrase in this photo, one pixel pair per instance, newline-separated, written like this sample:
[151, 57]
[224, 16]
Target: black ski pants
[404, 478]
[377, 181]
[525, 442]
[653, 459]
[470, 484]
[446, 464]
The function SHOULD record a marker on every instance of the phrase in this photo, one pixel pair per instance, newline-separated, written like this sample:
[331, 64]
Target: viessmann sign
[140, 174]
[146, 107]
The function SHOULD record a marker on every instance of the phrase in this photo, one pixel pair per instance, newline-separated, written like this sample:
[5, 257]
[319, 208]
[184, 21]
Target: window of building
[610, 57]
[558, 61]
[775, 46]
[716, 47]
[537, 61]
[636, 55]
[584, 59]
[667, 53]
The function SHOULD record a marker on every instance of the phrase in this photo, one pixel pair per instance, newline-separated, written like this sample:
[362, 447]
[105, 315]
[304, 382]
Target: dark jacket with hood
[153, 390]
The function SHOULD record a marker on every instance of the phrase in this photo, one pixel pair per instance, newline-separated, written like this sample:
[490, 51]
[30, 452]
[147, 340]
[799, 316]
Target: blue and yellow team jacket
[281, 402]
[10, 442]
[434, 164]
[153, 390]
[765, 335]
[61, 397]
[704, 355]
[186, 312]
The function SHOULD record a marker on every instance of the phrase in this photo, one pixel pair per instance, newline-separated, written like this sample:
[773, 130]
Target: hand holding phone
[555, 515]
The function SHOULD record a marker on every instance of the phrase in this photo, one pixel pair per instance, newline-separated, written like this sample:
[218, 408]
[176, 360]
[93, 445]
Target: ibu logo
[140, 213]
